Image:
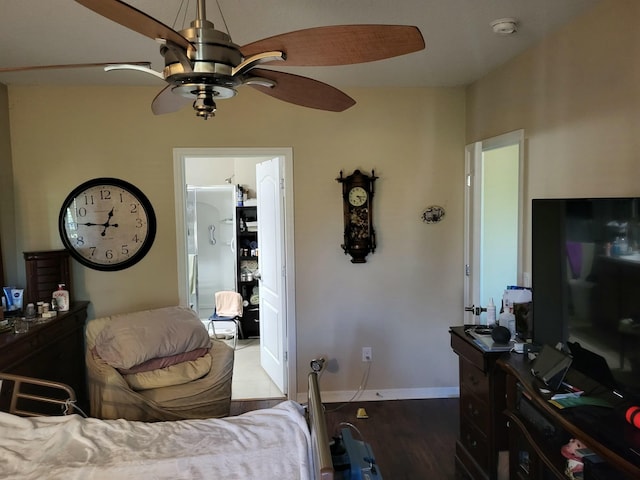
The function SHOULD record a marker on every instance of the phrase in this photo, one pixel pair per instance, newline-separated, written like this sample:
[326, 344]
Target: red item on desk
[633, 416]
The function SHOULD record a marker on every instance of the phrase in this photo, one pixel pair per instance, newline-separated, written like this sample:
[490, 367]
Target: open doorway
[201, 170]
[494, 205]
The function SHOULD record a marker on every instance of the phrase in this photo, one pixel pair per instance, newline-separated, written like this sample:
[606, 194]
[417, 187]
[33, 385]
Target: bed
[287, 441]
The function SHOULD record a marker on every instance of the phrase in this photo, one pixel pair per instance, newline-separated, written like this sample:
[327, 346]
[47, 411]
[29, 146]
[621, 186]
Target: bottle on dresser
[60, 298]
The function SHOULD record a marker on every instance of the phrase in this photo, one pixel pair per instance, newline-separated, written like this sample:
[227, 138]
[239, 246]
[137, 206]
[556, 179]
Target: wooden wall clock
[107, 224]
[357, 197]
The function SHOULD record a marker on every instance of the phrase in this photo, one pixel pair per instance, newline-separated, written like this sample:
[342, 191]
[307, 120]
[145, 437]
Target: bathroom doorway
[198, 174]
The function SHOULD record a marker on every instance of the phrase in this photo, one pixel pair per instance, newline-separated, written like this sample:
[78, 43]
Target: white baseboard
[390, 394]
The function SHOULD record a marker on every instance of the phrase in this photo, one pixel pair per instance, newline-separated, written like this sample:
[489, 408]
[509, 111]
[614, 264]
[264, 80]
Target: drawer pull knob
[472, 443]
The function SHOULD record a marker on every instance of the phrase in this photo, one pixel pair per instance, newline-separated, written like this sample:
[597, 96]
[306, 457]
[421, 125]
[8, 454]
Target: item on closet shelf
[61, 298]
[239, 196]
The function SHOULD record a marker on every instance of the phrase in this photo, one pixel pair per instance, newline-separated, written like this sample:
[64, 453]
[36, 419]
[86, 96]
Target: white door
[494, 200]
[271, 266]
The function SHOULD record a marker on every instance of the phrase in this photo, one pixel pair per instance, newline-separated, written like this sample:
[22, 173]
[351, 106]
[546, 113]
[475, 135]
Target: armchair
[141, 366]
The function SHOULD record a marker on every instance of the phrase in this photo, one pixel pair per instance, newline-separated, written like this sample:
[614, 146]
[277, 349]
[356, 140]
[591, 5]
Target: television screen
[585, 276]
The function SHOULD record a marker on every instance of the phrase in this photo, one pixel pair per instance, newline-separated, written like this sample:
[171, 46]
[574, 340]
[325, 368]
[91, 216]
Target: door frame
[472, 214]
[179, 156]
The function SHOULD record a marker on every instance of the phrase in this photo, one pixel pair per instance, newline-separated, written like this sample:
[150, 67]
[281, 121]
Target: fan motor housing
[212, 62]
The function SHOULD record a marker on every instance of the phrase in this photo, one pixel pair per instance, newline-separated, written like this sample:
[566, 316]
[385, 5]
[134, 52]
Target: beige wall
[577, 97]
[400, 303]
[7, 235]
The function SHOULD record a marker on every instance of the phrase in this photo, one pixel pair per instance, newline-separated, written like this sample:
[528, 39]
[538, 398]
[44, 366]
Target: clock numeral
[125, 250]
[80, 240]
[81, 212]
[88, 199]
[105, 194]
[92, 251]
[134, 208]
[139, 223]
[108, 254]
[136, 238]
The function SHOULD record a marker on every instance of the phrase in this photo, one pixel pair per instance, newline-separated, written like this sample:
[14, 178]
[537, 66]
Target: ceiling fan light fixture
[204, 105]
[504, 26]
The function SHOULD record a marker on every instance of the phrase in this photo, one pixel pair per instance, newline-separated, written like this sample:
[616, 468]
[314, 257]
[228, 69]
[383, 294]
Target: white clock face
[357, 196]
[107, 224]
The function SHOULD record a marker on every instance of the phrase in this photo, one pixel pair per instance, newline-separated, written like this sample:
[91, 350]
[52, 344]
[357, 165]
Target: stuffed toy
[574, 459]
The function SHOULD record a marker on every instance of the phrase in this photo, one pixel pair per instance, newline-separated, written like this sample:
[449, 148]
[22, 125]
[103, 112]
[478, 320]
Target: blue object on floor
[361, 462]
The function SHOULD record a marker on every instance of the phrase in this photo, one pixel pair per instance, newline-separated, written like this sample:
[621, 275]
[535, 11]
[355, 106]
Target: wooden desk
[602, 430]
[493, 420]
[52, 351]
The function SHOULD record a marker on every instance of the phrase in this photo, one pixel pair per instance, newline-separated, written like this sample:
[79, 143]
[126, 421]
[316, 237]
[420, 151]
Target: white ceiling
[461, 46]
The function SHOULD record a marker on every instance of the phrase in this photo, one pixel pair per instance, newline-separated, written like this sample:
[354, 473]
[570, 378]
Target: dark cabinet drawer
[473, 379]
[475, 443]
[475, 410]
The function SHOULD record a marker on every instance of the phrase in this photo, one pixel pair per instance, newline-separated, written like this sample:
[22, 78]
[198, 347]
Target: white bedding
[264, 444]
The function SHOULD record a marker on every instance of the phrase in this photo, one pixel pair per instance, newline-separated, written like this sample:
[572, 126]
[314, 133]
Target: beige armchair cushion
[130, 339]
[178, 374]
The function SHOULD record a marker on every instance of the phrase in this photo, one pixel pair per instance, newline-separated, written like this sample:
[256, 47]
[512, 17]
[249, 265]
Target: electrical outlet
[367, 356]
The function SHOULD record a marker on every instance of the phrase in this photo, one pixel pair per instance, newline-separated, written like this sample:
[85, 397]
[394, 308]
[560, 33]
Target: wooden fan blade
[303, 91]
[340, 44]
[71, 65]
[168, 102]
[136, 20]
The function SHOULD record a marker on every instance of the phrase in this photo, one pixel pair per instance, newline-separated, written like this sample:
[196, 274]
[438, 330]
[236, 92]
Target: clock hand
[106, 224]
[104, 232]
[88, 224]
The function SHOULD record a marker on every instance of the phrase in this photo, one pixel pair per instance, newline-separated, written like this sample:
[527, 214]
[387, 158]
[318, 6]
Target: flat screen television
[585, 277]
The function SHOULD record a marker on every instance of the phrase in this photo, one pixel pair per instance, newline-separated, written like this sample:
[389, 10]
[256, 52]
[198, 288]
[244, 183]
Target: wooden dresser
[53, 351]
[504, 414]
[483, 428]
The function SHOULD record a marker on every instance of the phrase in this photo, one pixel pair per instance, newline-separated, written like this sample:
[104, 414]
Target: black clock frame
[359, 234]
[144, 202]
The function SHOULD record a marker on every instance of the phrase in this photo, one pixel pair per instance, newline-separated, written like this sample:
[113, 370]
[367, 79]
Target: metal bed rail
[318, 426]
[52, 394]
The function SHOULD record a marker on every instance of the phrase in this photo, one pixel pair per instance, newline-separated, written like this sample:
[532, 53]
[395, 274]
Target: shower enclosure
[211, 244]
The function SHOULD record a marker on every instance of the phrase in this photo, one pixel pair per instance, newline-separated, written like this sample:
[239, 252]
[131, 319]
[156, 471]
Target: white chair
[225, 321]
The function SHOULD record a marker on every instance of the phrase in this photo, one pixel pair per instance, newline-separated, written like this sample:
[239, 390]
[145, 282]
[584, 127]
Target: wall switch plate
[367, 355]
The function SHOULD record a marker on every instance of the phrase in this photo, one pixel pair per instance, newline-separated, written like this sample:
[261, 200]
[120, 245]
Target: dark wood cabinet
[247, 266]
[53, 350]
[504, 413]
[538, 429]
[45, 271]
[483, 431]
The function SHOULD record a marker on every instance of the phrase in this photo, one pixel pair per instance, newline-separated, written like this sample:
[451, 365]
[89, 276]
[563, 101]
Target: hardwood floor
[410, 439]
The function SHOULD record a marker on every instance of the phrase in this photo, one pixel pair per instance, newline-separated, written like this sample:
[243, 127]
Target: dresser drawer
[475, 410]
[474, 379]
[475, 443]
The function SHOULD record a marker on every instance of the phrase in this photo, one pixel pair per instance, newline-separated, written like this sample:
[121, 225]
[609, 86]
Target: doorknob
[475, 310]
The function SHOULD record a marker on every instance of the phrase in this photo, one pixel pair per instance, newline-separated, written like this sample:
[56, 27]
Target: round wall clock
[357, 195]
[107, 224]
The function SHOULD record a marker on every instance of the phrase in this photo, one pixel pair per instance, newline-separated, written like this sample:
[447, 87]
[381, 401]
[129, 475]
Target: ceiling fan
[202, 64]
